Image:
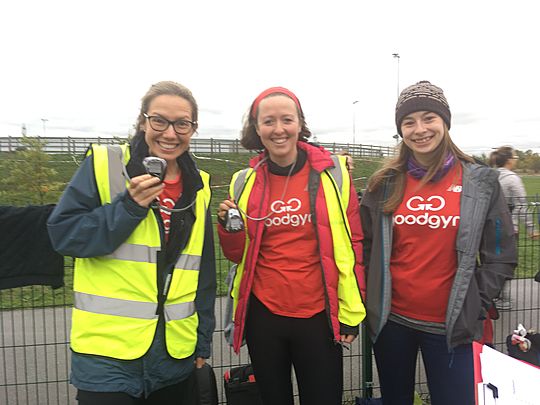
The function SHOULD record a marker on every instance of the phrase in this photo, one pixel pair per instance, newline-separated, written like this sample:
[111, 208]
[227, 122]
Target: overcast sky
[84, 66]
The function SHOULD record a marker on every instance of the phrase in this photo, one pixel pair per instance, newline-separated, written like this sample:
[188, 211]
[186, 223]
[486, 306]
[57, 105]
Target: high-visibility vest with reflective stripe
[337, 187]
[116, 296]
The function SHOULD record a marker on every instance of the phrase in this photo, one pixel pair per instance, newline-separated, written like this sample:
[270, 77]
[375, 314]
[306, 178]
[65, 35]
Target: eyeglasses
[181, 127]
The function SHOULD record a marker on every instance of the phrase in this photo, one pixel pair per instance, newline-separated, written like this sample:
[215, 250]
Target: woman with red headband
[297, 287]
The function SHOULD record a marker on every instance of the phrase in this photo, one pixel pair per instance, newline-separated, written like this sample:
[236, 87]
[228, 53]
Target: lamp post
[354, 122]
[396, 56]
[44, 120]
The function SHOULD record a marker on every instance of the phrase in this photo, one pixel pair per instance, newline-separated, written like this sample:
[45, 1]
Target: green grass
[221, 167]
[529, 256]
[532, 184]
[40, 296]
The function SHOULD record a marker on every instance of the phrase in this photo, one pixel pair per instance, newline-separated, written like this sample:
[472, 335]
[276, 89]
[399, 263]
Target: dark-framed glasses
[181, 127]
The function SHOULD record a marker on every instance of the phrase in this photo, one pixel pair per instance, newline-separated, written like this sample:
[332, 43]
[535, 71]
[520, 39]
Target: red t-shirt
[168, 197]
[424, 261]
[288, 274]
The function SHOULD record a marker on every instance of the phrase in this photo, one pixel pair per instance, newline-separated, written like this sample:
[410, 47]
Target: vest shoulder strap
[240, 182]
[337, 171]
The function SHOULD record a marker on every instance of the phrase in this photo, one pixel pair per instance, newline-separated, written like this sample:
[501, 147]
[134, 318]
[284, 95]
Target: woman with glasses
[438, 247]
[297, 286]
[136, 219]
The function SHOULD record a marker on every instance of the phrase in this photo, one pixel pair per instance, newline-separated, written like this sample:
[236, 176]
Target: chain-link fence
[35, 324]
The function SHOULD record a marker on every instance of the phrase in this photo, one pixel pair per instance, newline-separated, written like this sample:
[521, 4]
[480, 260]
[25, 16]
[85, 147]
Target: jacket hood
[318, 157]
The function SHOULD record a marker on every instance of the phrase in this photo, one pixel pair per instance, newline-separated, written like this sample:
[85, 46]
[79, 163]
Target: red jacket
[233, 243]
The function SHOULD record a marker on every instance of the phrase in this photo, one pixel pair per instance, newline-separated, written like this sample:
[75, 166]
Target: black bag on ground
[206, 385]
[240, 386]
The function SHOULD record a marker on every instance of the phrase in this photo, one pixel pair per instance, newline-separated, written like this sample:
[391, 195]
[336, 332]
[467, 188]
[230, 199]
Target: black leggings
[276, 342]
[185, 392]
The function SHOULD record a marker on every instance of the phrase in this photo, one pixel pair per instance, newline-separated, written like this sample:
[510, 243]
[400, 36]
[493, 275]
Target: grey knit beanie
[422, 96]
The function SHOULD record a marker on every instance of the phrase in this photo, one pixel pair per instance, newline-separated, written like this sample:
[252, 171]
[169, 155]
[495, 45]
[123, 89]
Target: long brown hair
[395, 170]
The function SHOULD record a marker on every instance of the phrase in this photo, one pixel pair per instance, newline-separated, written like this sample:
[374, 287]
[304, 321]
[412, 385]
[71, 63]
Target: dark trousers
[183, 393]
[450, 374]
[277, 342]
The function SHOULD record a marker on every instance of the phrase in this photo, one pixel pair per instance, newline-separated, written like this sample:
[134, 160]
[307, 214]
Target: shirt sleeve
[357, 236]
[498, 252]
[80, 226]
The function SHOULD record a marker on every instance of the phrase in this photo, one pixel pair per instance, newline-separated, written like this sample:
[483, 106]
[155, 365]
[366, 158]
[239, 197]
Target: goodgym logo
[433, 203]
[285, 213]
[424, 213]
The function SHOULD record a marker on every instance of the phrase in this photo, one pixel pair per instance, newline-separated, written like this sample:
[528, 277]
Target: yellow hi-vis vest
[336, 184]
[116, 296]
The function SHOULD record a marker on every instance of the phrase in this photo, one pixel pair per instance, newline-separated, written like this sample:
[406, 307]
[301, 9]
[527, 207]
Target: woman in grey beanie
[438, 247]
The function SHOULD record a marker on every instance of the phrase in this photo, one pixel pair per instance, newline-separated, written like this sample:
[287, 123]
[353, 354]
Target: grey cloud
[528, 119]
[465, 118]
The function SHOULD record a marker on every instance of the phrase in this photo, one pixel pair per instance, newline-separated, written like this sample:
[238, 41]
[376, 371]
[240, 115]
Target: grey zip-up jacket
[516, 197]
[485, 248]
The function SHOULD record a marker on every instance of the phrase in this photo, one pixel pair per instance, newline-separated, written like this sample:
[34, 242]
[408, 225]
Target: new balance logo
[454, 188]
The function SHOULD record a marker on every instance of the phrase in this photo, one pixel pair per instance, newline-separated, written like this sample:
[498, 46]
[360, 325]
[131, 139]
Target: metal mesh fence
[35, 324]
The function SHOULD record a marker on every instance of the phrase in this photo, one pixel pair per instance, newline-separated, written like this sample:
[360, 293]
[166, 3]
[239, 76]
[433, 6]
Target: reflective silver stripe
[113, 306]
[115, 158]
[188, 262]
[135, 253]
[337, 173]
[239, 183]
[176, 312]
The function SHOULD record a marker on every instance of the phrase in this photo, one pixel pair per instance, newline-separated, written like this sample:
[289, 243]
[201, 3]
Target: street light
[44, 120]
[396, 56]
[354, 122]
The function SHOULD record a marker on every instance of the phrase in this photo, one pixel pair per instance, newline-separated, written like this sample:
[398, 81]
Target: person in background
[504, 159]
[297, 288]
[144, 279]
[438, 247]
[349, 161]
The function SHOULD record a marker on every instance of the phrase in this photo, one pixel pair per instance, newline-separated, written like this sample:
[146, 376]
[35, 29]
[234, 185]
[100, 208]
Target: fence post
[367, 364]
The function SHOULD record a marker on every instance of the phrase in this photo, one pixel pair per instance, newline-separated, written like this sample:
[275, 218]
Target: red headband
[273, 90]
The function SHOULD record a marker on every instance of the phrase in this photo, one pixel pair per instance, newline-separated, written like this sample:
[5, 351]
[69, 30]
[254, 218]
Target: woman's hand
[347, 338]
[144, 189]
[224, 206]
[200, 362]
